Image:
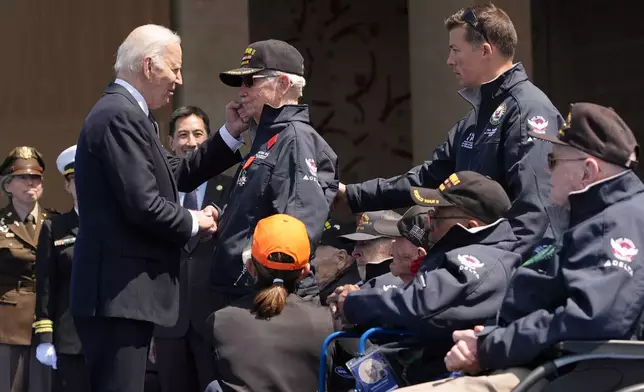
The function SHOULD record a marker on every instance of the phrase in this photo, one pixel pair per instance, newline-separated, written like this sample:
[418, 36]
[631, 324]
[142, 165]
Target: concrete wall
[214, 35]
[357, 69]
[57, 59]
[436, 106]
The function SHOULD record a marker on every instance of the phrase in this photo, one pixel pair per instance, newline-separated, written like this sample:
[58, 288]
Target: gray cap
[414, 226]
[366, 229]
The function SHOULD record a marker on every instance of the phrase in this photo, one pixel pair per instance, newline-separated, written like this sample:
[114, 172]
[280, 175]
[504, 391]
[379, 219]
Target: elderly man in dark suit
[183, 358]
[132, 226]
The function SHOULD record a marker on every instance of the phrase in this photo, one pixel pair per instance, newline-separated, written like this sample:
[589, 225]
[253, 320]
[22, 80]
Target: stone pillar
[214, 35]
[436, 106]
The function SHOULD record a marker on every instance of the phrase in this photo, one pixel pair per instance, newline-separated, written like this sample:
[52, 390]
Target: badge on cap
[566, 125]
[65, 161]
[248, 54]
[24, 153]
[452, 180]
[421, 199]
[364, 220]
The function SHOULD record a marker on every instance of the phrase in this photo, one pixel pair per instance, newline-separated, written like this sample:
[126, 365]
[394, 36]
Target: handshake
[207, 220]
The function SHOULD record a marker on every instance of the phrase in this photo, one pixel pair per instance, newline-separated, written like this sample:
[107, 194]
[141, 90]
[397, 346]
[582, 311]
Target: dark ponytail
[270, 301]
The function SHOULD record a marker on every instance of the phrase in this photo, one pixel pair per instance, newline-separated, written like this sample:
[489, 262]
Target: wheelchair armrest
[621, 347]
[356, 329]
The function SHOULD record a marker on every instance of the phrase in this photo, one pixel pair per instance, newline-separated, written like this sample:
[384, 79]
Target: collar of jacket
[272, 118]
[496, 87]
[598, 196]
[286, 113]
[115, 88]
[459, 236]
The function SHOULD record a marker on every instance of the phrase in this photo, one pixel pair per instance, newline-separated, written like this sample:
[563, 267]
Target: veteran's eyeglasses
[249, 80]
[552, 160]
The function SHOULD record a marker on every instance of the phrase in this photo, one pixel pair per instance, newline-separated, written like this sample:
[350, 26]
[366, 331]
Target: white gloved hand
[46, 354]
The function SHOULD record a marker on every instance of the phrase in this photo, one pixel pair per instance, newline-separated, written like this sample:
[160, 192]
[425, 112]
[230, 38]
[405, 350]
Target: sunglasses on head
[249, 80]
[472, 20]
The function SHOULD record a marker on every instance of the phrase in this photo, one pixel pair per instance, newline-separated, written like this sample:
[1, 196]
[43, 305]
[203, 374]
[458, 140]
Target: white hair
[297, 83]
[144, 41]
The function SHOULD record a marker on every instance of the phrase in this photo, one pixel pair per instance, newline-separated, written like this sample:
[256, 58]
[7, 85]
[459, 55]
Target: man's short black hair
[187, 111]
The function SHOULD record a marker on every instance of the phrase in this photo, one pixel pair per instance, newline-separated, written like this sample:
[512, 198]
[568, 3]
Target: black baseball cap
[333, 229]
[272, 55]
[366, 231]
[414, 225]
[598, 131]
[473, 193]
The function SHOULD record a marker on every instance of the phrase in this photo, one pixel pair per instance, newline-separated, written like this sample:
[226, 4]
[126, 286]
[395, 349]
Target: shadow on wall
[357, 69]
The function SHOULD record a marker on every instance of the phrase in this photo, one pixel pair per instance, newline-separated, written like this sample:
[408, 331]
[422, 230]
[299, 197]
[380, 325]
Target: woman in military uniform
[20, 222]
[55, 335]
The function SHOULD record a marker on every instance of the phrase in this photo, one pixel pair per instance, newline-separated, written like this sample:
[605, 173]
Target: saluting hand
[237, 120]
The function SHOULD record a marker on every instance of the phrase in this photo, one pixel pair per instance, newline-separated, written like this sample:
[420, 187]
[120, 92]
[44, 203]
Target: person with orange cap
[272, 332]
[21, 180]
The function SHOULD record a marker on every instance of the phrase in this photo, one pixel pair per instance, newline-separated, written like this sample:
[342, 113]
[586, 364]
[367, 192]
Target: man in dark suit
[181, 353]
[132, 228]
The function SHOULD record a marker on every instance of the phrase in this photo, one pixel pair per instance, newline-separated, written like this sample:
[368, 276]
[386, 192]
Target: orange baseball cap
[285, 234]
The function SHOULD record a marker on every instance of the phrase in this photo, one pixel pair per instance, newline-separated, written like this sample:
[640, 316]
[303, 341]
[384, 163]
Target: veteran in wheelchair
[556, 323]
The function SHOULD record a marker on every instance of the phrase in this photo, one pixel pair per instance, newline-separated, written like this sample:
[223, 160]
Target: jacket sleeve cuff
[230, 141]
[195, 223]
[352, 197]
[44, 331]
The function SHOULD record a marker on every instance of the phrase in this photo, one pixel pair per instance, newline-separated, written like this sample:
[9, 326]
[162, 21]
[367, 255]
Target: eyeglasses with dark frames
[552, 160]
[473, 21]
[249, 80]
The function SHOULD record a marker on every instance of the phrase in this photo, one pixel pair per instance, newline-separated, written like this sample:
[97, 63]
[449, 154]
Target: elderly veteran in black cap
[54, 331]
[593, 289]
[333, 263]
[290, 169]
[372, 250]
[410, 248]
[21, 178]
[463, 278]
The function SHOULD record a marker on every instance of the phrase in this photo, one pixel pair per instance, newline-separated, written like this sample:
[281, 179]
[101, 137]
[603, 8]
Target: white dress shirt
[201, 194]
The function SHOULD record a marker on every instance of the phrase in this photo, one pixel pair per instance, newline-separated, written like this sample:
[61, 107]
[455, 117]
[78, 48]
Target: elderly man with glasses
[463, 278]
[290, 169]
[492, 139]
[590, 290]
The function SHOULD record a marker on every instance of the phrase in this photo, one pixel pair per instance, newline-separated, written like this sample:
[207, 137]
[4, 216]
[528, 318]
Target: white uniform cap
[65, 161]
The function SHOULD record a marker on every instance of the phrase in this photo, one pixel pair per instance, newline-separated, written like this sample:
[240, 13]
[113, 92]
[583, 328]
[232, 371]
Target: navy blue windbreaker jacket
[290, 170]
[462, 282]
[590, 288]
[492, 139]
